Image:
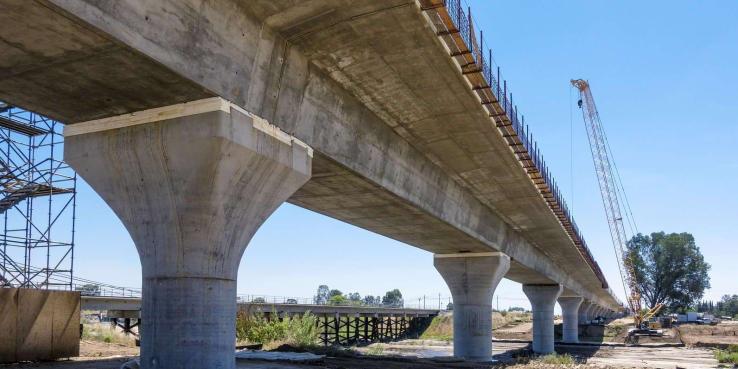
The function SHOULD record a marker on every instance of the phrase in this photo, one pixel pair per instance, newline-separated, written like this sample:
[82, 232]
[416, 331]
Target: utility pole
[423, 301]
[439, 301]
[498, 302]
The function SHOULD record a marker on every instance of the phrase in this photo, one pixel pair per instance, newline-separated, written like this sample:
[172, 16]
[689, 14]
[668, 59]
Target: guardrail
[459, 27]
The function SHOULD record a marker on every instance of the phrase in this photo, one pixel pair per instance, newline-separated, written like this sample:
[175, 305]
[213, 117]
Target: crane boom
[609, 191]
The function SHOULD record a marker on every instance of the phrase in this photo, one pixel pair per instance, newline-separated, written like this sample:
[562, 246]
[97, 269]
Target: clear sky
[664, 75]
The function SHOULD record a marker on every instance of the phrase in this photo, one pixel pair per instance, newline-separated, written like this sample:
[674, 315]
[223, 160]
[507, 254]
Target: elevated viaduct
[195, 120]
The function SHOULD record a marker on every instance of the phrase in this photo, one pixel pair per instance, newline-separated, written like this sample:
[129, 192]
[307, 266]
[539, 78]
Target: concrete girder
[472, 279]
[191, 189]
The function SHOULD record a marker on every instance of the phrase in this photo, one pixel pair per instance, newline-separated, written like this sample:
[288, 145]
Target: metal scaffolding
[37, 202]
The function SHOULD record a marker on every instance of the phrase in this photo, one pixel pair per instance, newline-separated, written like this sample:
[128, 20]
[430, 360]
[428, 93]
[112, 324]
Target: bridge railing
[428, 304]
[463, 22]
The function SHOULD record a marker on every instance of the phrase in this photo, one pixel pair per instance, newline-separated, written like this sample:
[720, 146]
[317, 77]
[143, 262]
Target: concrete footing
[570, 313]
[542, 300]
[472, 279]
[191, 190]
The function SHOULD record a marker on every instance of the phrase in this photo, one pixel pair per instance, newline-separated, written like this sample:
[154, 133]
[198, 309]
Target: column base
[472, 279]
[188, 322]
[542, 299]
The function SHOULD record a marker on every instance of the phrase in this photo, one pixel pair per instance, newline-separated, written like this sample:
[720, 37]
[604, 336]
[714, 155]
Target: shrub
[297, 331]
[105, 333]
[724, 356]
[302, 331]
[257, 329]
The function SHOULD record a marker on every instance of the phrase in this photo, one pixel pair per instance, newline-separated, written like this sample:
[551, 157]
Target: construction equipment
[611, 192]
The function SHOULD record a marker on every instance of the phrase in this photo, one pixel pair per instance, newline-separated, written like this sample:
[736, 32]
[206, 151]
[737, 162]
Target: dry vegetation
[442, 326]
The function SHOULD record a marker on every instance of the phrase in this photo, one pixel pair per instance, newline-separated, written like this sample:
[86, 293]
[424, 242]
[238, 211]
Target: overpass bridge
[194, 121]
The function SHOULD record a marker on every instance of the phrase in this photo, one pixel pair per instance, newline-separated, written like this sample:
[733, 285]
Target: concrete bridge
[195, 120]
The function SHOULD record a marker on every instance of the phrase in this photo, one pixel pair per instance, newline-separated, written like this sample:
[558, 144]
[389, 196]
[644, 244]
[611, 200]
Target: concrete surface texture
[591, 312]
[542, 300]
[38, 325]
[583, 313]
[191, 190]
[570, 314]
[402, 145]
[334, 74]
[472, 279]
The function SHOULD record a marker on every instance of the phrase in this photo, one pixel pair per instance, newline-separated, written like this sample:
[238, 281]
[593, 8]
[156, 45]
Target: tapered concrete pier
[192, 183]
[570, 313]
[542, 300]
[472, 279]
[583, 315]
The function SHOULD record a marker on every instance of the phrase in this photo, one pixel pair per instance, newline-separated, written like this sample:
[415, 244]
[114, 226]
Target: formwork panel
[66, 330]
[35, 322]
[37, 325]
[8, 319]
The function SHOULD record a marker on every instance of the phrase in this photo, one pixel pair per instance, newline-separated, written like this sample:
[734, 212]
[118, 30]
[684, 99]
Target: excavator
[612, 190]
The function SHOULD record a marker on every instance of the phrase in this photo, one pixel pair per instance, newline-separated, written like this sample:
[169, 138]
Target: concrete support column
[192, 183]
[542, 300]
[570, 313]
[583, 317]
[591, 313]
[472, 279]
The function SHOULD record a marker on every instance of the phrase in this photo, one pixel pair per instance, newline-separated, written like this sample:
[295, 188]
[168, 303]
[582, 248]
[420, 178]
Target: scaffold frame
[37, 202]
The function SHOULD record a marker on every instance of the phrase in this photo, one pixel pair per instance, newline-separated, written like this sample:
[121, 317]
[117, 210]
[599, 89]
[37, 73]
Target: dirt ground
[410, 354]
[432, 354]
[723, 334]
[92, 349]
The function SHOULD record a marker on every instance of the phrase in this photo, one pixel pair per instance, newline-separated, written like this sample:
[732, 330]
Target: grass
[727, 356]
[556, 359]
[442, 326]
[377, 349]
[105, 333]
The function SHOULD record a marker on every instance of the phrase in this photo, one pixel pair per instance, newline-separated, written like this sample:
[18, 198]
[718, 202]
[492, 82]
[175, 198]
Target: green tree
[728, 305]
[338, 300]
[89, 290]
[393, 298]
[354, 298]
[323, 294]
[334, 293]
[368, 300]
[669, 269]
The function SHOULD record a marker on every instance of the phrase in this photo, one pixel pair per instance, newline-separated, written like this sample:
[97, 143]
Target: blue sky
[664, 76]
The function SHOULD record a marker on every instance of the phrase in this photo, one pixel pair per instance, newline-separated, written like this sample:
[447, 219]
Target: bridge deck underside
[384, 53]
[341, 194]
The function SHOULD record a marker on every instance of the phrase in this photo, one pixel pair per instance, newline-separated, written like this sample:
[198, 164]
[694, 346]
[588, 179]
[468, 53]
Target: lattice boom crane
[609, 191]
